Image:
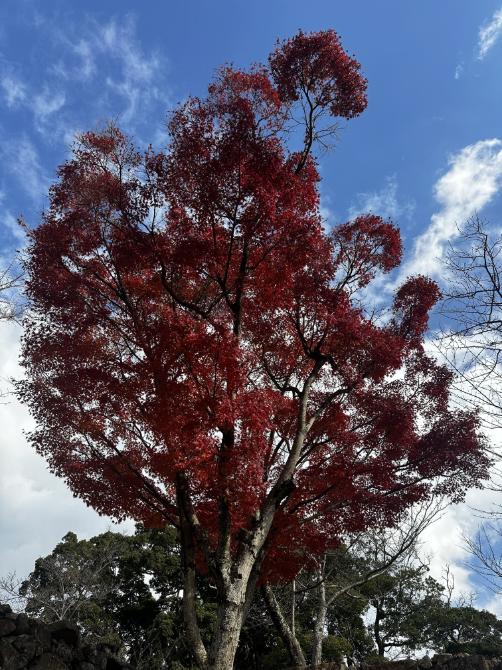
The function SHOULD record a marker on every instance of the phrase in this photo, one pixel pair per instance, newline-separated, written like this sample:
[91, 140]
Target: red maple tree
[198, 351]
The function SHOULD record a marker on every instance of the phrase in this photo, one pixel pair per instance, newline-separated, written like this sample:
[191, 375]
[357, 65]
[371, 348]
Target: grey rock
[5, 609]
[114, 664]
[42, 634]
[22, 624]
[9, 658]
[49, 662]
[66, 632]
[469, 662]
[7, 626]
[100, 660]
[28, 646]
[63, 651]
[439, 659]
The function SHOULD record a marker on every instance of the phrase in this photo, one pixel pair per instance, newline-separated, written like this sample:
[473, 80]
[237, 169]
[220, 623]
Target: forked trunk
[236, 578]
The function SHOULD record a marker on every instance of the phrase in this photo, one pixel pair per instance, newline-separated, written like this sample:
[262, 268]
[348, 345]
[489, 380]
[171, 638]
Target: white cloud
[473, 179]
[41, 99]
[13, 89]
[326, 210]
[21, 159]
[41, 102]
[9, 221]
[119, 39]
[385, 202]
[139, 71]
[106, 62]
[489, 33]
[443, 542]
[458, 71]
[112, 51]
[37, 507]
[47, 102]
[84, 50]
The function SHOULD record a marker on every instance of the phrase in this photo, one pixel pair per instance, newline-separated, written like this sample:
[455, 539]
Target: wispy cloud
[105, 61]
[47, 102]
[43, 102]
[384, 202]
[139, 71]
[87, 66]
[21, 159]
[10, 223]
[112, 55]
[473, 179]
[489, 33]
[13, 89]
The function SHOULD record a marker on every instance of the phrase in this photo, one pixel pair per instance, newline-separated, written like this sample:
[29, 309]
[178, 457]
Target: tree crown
[198, 344]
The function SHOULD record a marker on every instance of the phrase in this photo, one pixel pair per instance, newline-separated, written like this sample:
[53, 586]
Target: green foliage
[467, 630]
[412, 613]
[404, 601]
[121, 590]
[346, 626]
[125, 591]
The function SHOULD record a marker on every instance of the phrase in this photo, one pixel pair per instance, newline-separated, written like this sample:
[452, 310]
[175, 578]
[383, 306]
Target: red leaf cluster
[317, 65]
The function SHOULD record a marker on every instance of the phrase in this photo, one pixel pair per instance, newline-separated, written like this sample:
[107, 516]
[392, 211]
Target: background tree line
[125, 591]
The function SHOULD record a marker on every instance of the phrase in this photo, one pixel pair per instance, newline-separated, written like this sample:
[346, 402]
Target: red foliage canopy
[196, 339]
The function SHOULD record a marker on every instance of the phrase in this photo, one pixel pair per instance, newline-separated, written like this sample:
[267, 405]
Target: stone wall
[29, 644]
[442, 662]
[437, 662]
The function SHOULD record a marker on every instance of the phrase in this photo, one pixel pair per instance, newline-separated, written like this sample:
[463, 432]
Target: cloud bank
[472, 180]
[37, 507]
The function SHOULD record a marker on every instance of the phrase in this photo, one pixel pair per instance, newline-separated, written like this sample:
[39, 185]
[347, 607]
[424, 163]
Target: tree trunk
[230, 616]
[189, 592]
[321, 621]
[236, 578]
[379, 615]
[288, 637]
[190, 617]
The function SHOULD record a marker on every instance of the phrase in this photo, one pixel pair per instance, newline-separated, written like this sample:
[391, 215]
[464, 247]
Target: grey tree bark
[322, 611]
[286, 632]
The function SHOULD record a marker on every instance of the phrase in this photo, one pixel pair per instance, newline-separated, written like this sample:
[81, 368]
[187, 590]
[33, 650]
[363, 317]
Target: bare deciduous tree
[10, 282]
[363, 558]
[472, 345]
[472, 306]
[63, 584]
[485, 555]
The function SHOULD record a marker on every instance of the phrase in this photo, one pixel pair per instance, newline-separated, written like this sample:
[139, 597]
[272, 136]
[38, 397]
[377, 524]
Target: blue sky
[71, 66]
[427, 151]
